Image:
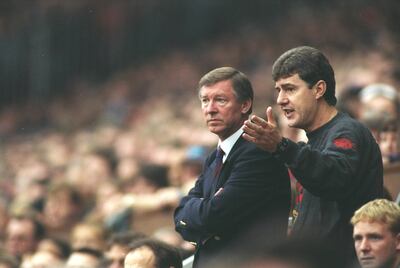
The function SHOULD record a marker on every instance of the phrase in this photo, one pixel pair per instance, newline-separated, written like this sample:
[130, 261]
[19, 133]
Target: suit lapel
[226, 167]
[209, 181]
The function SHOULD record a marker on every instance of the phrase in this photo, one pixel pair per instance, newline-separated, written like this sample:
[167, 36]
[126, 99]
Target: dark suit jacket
[256, 192]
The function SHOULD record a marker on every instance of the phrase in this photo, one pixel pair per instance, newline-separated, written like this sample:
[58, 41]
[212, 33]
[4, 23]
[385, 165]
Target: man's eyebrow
[287, 84]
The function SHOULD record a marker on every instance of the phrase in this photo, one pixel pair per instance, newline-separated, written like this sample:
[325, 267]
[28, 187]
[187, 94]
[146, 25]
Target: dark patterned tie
[218, 161]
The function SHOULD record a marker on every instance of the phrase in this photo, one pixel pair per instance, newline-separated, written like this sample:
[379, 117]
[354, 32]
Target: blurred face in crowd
[44, 259]
[142, 186]
[116, 255]
[382, 105]
[298, 102]
[223, 113]
[59, 210]
[48, 245]
[87, 236]
[20, 237]
[82, 260]
[141, 257]
[376, 246]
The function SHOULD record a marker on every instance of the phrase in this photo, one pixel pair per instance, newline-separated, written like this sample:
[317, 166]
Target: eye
[357, 238]
[375, 237]
[204, 101]
[221, 100]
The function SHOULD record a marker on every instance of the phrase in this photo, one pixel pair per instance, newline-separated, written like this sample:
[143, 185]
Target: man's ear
[320, 89]
[398, 241]
[246, 105]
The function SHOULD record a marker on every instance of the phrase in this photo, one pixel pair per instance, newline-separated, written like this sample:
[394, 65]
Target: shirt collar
[228, 143]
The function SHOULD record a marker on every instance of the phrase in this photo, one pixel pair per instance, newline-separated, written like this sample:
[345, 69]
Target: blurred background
[55, 52]
[98, 98]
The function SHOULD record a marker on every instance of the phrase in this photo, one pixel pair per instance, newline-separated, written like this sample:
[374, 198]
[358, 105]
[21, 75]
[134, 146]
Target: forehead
[221, 87]
[117, 250]
[43, 257]
[78, 258]
[365, 227]
[20, 225]
[290, 80]
[142, 257]
[86, 230]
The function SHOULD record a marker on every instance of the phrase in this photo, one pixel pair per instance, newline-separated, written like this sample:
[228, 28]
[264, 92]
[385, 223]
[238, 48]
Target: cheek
[383, 250]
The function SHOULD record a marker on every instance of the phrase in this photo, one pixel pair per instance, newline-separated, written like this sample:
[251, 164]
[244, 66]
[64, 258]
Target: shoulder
[347, 127]
[347, 124]
[246, 149]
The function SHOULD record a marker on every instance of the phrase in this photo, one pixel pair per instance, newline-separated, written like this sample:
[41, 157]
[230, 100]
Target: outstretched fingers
[252, 128]
[270, 116]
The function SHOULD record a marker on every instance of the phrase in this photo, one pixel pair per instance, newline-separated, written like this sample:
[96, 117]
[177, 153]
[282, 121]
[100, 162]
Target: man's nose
[365, 246]
[282, 98]
[211, 107]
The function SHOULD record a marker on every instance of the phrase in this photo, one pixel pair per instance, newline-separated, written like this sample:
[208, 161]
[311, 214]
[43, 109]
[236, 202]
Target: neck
[324, 114]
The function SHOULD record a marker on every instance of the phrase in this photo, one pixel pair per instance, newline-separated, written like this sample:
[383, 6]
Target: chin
[214, 131]
[370, 264]
[293, 125]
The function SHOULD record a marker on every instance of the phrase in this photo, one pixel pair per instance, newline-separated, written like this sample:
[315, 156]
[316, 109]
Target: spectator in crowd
[127, 168]
[151, 178]
[152, 253]
[240, 186]
[380, 97]
[118, 247]
[89, 235]
[349, 101]
[191, 166]
[380, 112]
[95, 168]
[171, 237]
[340, 168]
[150, 192]
[84, 257]
[386, 132]
[43, 259]
[55, 246]
[62, 209]
[23, 234]
[377, 234]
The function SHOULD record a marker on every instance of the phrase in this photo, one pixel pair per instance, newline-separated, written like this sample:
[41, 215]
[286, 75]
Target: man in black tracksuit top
[340, 168]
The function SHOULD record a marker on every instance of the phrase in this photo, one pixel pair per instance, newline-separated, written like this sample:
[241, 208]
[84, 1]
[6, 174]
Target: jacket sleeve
[251, 183]
[187, 232]
[332, 172]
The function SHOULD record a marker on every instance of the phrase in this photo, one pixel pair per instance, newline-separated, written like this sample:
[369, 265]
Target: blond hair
[379, 210]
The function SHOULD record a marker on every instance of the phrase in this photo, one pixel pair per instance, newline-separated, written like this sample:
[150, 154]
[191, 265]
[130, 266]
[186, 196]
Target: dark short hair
[62, 245]
[125, 238]
[311, 66]
[165, 254]
[89, 251]
[156, 174]
[242, 87]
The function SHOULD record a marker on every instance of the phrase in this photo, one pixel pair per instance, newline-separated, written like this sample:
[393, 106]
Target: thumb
[270, 116]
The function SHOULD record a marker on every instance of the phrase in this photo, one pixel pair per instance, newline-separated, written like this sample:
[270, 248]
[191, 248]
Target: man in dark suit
[247, 190]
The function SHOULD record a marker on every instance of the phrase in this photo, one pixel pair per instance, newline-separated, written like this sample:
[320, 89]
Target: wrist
[282, 146]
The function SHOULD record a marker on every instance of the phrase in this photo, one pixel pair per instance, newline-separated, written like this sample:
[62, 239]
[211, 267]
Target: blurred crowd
[109, 159]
